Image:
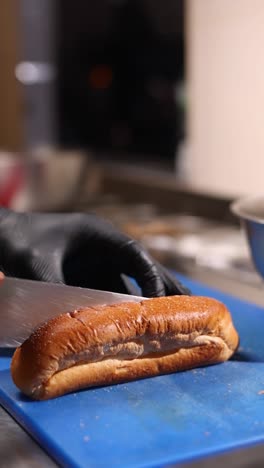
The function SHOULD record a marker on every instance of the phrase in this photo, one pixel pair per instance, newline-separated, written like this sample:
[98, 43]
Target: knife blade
[26, 304]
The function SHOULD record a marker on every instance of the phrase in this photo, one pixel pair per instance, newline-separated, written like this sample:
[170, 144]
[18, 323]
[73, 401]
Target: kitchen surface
[148, 114]
[209, 248]
[188, 231]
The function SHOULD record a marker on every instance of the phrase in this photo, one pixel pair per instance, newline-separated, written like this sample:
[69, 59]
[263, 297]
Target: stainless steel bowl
[46, 179]
[250, 211]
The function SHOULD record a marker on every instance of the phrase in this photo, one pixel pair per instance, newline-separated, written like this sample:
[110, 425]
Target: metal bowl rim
[238, 209]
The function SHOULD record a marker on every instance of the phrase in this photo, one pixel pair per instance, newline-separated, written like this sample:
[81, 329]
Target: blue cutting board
[156, 421]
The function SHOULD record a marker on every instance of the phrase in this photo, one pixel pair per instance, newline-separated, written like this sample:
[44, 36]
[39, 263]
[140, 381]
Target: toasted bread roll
[112, 344]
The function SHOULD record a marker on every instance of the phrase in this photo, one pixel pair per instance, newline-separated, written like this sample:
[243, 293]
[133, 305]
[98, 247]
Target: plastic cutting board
[156, 421]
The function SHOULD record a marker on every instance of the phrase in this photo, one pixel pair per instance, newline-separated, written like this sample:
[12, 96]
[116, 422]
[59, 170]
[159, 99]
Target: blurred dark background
[132, 109]
[120, 73]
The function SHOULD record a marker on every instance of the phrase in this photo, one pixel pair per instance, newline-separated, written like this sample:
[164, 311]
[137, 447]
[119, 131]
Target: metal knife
[25, 304]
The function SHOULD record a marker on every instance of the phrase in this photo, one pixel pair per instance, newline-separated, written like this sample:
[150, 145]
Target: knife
[26, 304]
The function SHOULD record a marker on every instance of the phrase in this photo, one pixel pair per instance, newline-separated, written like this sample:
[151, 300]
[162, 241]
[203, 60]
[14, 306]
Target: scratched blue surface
[156, 421]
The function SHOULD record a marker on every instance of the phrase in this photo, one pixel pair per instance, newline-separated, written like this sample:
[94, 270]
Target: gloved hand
[81, 250]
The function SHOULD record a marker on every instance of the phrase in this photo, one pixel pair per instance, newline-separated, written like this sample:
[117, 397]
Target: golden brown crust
[111, 344]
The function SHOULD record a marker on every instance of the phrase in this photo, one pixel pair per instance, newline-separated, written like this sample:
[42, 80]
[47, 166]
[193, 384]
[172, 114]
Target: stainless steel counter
[17, 449]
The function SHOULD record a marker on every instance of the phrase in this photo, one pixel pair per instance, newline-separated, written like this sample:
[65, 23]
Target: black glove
[80, 250]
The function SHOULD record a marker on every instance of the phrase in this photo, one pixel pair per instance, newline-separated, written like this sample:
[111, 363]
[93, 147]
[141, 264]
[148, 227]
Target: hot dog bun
[112, 344]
